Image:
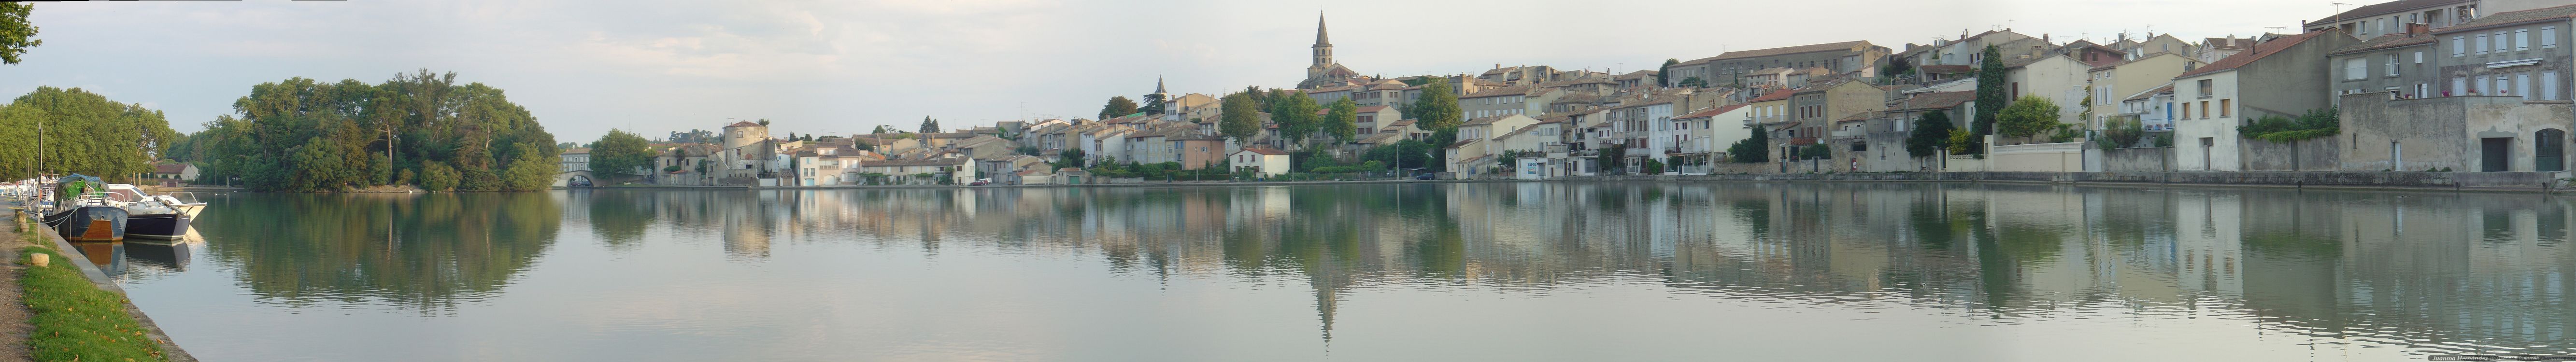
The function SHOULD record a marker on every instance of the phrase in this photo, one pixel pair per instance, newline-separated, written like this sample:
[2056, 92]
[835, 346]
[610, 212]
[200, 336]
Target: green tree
[1613, 159]
[929, 125]
[1153, 105]
[82, 132]
[2028, 116]
[1816, 151]
[401, 124]
[16, 33]
[529, 174]
[1437, 109]
[1118, 106]
[1344, 120]
[1694, 82]
[1755, 149]
[1962, 142]
[2314, 123]
[619, 153]
[1666, 69]
[1930, 134]
[1070, 157]
[437, 176]
[1403, 154]
[1240, 116]
[1296, 118]
[1990, 92]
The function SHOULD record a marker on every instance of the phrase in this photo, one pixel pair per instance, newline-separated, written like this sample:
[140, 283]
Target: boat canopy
[72, 186]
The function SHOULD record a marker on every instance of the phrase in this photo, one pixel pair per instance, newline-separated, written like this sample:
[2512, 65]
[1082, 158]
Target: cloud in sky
[655, 66]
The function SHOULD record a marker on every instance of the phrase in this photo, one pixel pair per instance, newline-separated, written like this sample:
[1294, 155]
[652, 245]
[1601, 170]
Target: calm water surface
[1489, 271]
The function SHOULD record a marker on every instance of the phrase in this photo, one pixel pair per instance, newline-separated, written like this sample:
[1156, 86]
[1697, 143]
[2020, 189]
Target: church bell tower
[1323, 44]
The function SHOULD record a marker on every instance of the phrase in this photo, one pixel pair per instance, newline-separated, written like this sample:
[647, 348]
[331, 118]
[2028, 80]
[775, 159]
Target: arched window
[2549, 150]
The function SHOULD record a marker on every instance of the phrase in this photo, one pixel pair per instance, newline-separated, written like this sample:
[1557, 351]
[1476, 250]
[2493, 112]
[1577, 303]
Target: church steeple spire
[1158, 85]
[1323, 44]
[1320, 39]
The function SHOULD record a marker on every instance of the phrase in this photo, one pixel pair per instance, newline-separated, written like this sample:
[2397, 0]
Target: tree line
[422, 129]
[81, 132]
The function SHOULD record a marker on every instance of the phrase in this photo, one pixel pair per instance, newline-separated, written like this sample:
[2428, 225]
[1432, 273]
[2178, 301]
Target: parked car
[1424, 176]
[980, 182]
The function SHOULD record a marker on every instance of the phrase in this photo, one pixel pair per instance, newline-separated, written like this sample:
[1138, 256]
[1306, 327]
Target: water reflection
[414, 251]
[2424, 272]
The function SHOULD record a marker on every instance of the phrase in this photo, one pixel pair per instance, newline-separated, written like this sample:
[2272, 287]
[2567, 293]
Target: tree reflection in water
[415, 251]
[2433, 271]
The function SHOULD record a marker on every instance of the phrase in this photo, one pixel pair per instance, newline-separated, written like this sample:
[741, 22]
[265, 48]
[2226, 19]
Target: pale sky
[656, 66]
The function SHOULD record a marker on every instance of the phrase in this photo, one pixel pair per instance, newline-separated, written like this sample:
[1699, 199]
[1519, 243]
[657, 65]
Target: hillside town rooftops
[2260, 51]
[2513, 17]
[1712, 112]
[2386, 42]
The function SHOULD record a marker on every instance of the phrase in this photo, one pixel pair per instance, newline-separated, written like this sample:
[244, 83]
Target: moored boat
[84, 211]
[148, 216]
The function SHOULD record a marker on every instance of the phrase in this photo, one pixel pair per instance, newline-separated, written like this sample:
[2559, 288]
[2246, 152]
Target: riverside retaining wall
[2321, 178]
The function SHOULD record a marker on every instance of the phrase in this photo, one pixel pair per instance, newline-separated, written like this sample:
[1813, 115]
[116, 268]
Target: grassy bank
[75, 321]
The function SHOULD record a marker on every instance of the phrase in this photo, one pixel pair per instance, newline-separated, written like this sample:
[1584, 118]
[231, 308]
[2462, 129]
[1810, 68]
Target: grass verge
[76, 321]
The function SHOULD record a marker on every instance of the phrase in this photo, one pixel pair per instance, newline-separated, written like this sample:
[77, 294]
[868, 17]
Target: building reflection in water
[2429, 270]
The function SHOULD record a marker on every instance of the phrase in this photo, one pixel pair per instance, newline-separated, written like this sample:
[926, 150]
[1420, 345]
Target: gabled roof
[1488, 119]
[1773, 96]
[2367, 11]
[1338, 88]
[2385, 42]
[2232, 43]
[2024, 62]
[1524, 129]
[1497, 92]
[1712, 112]
[2103, 67]
[2151, 93]
[2261, 50]
[1934, 100]
[1462, 143]
[170, 168]
[1862, 116]
[2548, 13]
[1740, 54]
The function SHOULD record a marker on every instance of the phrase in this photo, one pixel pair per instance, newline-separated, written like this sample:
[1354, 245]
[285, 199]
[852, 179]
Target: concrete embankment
[2483, 181]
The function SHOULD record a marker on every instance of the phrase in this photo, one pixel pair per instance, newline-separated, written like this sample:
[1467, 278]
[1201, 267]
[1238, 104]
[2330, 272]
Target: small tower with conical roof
[1323, 43]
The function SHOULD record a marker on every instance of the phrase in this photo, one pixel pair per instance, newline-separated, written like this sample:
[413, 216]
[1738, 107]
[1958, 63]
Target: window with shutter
[2548, 86]
[2459, 47]
[2548, 37]
[2521, 39]
[2354, 68]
